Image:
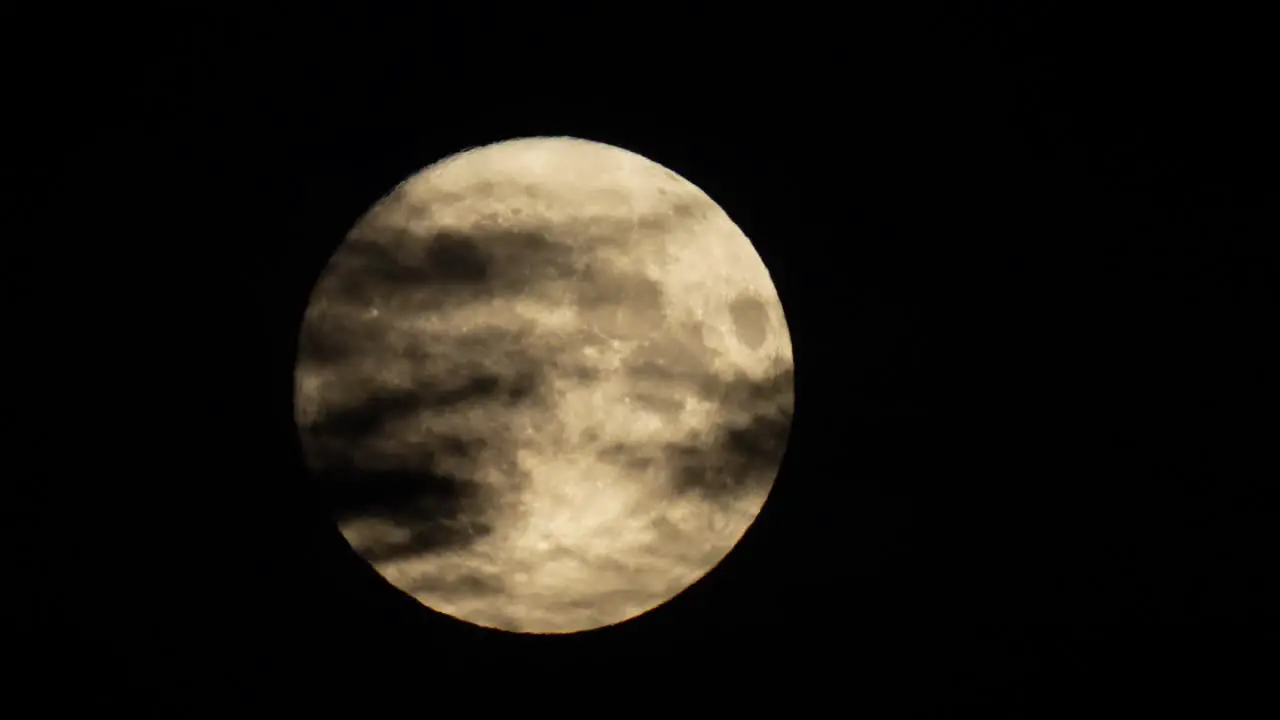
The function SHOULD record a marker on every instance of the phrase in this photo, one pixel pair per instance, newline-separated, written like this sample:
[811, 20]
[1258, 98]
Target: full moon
[545, 384]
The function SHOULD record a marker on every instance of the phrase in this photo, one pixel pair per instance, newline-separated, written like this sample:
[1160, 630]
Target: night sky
[1027, 261]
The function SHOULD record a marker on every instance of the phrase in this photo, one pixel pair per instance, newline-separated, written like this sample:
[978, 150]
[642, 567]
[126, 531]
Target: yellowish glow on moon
[549, 381]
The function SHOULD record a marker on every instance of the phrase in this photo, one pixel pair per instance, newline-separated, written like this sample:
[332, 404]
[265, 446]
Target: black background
[1027, 259]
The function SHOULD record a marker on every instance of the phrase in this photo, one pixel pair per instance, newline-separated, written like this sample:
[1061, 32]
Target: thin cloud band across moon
[546, 384]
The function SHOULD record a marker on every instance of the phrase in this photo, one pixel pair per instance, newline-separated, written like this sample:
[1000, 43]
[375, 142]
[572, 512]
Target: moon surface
[545, 384]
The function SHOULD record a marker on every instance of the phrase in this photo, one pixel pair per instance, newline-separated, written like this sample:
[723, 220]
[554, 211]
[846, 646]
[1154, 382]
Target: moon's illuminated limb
[548, 382]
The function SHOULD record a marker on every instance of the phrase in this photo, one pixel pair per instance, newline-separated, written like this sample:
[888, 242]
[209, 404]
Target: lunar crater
[750, 320]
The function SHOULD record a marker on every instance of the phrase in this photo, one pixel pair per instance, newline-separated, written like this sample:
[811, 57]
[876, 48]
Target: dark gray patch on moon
[352, 424]
[621, 303]
[676, 360]
[677, 214]
[750, 320]
[396, 270]
[470, 584]
[743, 452]
[625, 456]
[436, 511]
[740, 456]
[578, 371]
[451, 258]
[657, 401]
[322, 346]
[632, 457]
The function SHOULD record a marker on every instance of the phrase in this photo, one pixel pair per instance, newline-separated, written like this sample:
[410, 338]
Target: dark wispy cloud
[397, 270]
[743, 448]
